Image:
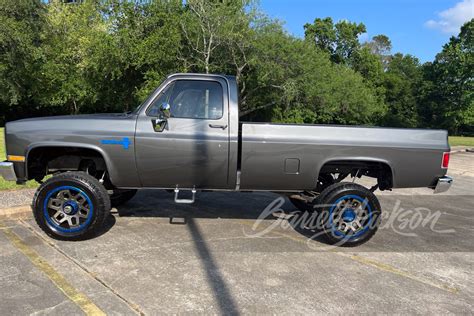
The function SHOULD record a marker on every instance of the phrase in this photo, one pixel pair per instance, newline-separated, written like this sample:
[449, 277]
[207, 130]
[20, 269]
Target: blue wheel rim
[350, 217]
[68, 209]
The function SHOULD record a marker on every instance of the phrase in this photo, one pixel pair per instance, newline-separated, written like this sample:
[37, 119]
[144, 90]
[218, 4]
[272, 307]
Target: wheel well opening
[355, 168]
[51, 160]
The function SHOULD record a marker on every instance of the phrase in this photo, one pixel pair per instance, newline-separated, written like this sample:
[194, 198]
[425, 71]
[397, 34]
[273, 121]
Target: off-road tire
[79, 183]
[325, 204]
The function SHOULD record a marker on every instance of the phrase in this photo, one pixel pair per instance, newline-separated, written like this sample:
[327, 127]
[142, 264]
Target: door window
[196, 99]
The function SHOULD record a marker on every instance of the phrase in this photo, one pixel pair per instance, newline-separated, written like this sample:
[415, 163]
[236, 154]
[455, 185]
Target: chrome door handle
[223, 127]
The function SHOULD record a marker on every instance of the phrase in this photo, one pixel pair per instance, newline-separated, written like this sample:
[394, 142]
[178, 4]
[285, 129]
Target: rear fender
[360, 159]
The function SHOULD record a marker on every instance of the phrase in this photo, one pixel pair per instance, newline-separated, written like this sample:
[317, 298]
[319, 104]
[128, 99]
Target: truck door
[192, 150]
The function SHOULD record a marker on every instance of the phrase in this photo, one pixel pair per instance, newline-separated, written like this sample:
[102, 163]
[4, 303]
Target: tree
[347, 40]
[402, 81]
[208, 26]
[273, 64]
[147, 44]
[322, 33]
[340, 40]
[381, 46]
[449, 97]
[73, 33]
[301, 84]
[107, 56]
[21, 24]
[371, 68]
[60, 57]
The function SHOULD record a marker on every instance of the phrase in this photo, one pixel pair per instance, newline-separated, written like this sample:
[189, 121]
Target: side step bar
[184, 201]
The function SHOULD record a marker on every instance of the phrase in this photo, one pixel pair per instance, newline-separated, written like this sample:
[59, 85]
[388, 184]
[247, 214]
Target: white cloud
[450, 21]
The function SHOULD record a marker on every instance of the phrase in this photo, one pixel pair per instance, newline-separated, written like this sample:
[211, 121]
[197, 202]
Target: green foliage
[106, 56]
[370, 66]
[147, 44]
[401, 82]
[21, 25]
[322, 33]
[71, 37]
[301, 84]
[449, 86]
[340, 40]
[341, 97]
[381, 46]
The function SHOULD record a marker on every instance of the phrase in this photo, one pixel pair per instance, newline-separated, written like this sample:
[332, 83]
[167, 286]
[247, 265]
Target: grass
[10, 185]
[461, 141]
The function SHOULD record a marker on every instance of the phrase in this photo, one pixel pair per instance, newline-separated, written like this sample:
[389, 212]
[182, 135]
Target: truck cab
[196, 144]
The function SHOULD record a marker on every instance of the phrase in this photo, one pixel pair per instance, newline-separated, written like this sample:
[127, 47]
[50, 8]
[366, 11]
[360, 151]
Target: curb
[17, 212]
[461, 150]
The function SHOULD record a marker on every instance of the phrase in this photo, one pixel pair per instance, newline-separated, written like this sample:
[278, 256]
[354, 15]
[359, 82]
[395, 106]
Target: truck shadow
[225, 205]
[160, 203]
[451, 229]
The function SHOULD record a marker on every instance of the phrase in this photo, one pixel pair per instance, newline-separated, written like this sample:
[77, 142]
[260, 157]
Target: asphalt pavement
[220, 256]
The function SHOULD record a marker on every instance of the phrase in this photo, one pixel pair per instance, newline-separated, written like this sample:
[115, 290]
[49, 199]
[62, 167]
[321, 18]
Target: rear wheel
[71, 206]
[349, 213]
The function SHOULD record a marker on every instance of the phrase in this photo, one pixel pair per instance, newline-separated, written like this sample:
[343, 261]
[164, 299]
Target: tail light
[445, 162]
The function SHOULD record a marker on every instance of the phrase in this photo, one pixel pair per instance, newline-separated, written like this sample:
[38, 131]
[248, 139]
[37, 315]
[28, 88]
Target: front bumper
[443, 184]
[7, 171]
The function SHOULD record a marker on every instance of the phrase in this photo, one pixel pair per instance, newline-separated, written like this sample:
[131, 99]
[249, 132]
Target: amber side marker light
[445, 162]
[16, 158]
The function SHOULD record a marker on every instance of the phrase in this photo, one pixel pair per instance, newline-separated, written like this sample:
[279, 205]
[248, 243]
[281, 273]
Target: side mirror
[165, 111]
[159, 124]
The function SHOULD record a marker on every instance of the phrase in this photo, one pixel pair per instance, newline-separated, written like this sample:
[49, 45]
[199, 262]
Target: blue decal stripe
[125, 142]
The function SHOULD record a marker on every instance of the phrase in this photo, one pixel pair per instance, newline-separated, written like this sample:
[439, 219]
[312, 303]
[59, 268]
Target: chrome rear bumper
[443, 184]
[7, 171]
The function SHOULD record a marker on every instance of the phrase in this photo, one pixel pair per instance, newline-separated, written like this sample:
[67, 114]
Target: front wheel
[71, 206]
[350, 214]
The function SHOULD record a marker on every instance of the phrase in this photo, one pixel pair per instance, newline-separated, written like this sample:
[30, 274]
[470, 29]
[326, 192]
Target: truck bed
[282, 157]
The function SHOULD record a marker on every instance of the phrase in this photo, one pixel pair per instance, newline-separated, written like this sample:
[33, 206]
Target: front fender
[108, 161]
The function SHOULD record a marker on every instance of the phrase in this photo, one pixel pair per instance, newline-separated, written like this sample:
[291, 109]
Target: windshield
[138, 107]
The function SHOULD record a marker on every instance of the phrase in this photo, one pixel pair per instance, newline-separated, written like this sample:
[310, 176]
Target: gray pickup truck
[187, 137]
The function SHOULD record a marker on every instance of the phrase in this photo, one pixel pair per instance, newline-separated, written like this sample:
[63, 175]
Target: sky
[417, 27]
